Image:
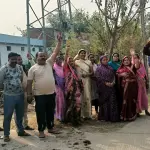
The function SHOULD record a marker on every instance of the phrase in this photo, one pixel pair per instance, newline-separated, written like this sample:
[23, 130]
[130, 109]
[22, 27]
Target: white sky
[13, 12]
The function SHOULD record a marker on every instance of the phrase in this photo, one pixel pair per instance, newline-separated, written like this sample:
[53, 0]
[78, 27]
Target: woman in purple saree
[108, 107]
[60, 86]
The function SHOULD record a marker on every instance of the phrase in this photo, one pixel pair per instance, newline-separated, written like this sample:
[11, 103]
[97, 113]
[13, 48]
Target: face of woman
[82, 54]
[105, 61]
[126, 62]
[59, 61]
[115, 57]
[91, 58]
[71, 62]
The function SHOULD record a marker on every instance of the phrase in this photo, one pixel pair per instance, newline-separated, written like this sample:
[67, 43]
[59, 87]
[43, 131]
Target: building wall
[17, 49]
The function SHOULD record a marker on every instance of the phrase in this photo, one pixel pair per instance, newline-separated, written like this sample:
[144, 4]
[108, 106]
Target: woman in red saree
[73, 91]
[129, 89]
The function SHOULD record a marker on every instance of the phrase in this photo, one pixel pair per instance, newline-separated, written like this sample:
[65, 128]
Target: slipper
[23, 134]
[41, 135]
[53, 131]
[6, 139]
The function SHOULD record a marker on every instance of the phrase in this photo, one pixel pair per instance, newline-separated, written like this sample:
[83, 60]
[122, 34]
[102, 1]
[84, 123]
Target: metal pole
[70, 13]
[43, 27]
[60, 14]
[61, 20]
[28, 27]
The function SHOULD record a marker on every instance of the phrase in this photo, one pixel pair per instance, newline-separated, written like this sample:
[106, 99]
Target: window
[33, 49]
[8, 48]
[22, 48]
[40, 49]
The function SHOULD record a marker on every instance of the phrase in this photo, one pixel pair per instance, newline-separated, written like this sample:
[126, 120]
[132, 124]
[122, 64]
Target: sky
[13, 13]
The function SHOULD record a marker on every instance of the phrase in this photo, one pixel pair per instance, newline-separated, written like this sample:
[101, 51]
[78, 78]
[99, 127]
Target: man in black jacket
[146, 50]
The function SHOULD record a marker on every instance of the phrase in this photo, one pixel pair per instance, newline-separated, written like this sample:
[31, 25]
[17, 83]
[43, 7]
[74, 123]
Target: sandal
[41, 135]
[53, 131]
[23, 134]
[6, 139]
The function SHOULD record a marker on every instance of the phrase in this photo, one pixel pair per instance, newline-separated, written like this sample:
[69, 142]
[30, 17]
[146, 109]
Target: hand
[84, 75]
[124, 74]
[132, 51]
[109, 84]
[30, 58]
[59, 37]
[68, 48]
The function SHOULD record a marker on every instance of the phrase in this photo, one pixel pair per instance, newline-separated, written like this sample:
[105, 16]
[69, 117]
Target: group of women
[117, 89]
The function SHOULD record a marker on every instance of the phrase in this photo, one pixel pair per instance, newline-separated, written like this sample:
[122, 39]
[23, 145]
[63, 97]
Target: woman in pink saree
[142, 85]
[60, 86]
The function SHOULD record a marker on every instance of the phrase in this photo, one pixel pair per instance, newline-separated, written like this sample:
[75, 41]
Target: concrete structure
[9, 43]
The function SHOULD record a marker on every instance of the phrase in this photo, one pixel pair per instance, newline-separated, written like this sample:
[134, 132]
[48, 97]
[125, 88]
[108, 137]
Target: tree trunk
[112, 44]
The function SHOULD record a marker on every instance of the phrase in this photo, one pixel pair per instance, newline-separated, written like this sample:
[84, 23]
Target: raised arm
[66, 54]
[56, 51]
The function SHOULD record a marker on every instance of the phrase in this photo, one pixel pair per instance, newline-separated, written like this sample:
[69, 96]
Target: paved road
[102, 136]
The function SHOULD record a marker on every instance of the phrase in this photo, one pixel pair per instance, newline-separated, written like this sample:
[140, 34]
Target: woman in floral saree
[128, 88]
[73, 90]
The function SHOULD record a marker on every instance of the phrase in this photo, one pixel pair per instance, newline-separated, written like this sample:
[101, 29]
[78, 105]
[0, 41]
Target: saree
[115, 66]
[83, 67]
[73, 90]
[94, 95]
[60, 85]
[107, 99]
[142, 103]
[129, 90]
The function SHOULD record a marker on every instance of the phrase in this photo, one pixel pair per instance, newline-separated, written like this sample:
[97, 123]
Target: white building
[9, 43]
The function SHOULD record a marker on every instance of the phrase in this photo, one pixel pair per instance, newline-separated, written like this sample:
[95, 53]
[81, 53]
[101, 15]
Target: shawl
[71, 77]
[122, 68]
[141, 72]
[67, 68]
[104, 72]
[113, 64]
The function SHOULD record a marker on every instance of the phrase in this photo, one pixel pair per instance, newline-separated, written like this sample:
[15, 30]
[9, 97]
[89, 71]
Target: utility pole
[41, 19]
[28, 27]
[70, 13]
[43, 27]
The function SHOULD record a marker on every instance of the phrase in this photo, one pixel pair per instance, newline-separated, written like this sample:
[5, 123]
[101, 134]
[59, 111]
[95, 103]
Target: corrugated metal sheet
[10, 39]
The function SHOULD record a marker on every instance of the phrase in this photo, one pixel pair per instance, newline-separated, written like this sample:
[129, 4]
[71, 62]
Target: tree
[79, 21]
[117, 14]
[54, 21]
[23, 32]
